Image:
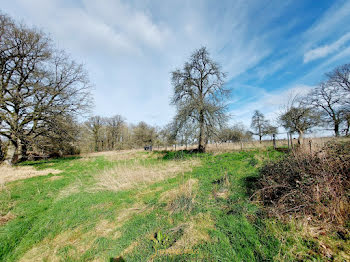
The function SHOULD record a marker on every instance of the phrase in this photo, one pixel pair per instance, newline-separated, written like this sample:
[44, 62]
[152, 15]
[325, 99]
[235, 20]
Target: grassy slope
[69, 225]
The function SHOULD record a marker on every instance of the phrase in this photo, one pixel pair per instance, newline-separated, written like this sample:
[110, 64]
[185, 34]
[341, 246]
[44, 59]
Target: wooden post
[291, 140]
[288, 140]
[310, 144]
[274, 141]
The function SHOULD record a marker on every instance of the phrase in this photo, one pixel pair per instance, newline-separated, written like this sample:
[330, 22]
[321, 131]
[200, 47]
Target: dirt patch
[129, 175]
[6, 218]
[9, 173]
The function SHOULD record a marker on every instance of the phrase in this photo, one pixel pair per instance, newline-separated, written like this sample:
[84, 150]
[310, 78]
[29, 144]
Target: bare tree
[330, 101]
[95, 125]
[167, 134]
[234, 133]
[38, 83]
[347, 123]
[261, 126]
[298, 117]
[144, 134]
[340, 77]
[114, 126]
[199, 95]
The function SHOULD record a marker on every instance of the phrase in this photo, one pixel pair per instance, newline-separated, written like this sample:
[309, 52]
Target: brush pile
[315, 186]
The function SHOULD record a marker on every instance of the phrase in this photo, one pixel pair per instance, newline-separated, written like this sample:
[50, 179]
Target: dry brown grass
[194, 232]
[128, 212]
[217, 148]
[9, 173]
[48, 249]
[70, 190]
[6, 218]
[53, 178]
[117, 155]
[186, 188]
[140, 172]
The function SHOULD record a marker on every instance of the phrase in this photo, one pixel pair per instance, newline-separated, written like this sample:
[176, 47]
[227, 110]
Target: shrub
[316, 186]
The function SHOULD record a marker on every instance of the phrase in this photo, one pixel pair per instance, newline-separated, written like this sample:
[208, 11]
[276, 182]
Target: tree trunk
[336, 129]
[260, 138]
[1, 151]
[21, 150]
[300, 137]
[201, 146]
[10, 157]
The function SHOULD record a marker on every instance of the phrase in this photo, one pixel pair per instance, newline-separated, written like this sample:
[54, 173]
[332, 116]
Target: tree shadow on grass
[48, 161]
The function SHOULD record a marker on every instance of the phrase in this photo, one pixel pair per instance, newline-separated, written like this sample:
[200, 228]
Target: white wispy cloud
[270, 103]
[325, 50]
[130, 47]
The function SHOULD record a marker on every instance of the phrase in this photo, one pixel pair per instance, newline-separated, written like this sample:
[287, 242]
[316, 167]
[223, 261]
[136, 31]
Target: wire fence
[312, 142]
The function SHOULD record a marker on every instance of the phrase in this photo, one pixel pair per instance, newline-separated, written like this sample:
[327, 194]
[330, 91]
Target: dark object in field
[117, 259]
[148, 148]
[312, 185]
[34, 156]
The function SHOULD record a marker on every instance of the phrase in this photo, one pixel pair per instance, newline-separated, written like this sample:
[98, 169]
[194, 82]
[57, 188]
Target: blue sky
[270, 49]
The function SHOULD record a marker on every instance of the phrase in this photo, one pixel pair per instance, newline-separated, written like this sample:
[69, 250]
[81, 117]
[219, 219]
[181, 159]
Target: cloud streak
[325, 50]
[130, 47]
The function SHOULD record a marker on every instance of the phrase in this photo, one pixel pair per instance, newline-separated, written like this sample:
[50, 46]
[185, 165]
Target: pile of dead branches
[316, 186]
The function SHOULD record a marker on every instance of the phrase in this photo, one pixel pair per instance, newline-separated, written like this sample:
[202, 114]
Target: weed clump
[312, 186]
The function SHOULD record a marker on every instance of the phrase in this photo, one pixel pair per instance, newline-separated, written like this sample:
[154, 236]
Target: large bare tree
[329, 99]
[199, 95]
[37, 84]
[340, 77]
[299, 117]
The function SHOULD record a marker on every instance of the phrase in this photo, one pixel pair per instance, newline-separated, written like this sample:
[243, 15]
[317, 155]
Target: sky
[269, 49]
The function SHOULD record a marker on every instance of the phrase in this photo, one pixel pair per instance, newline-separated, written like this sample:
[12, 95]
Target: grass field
[144, 206]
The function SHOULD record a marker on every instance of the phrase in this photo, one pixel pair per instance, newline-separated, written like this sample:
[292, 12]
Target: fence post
[274, 141]
[310, 144]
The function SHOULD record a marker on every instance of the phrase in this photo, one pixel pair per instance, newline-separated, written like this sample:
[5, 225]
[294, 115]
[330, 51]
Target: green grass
[65, 224]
